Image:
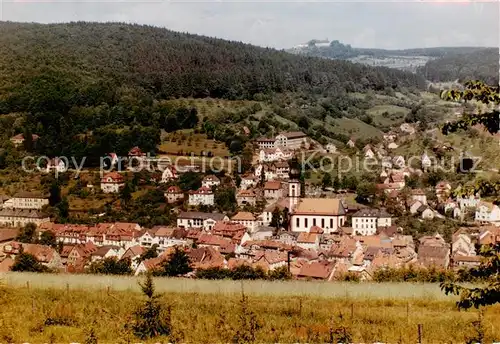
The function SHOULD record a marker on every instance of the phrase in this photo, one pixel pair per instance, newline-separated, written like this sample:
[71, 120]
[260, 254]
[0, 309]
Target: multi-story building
[21, 217]
[27, 200]
[196, 219]
[202, 196]
[366, 221]
[488, 212]
[246, 197]
[289, 140]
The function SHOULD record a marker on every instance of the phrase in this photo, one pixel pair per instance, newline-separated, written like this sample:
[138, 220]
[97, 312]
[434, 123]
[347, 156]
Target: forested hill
[169, 64]
[338, 50]
[478, 65]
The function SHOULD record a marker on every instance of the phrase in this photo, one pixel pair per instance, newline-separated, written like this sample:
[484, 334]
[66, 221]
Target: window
[322, 223]
[297, 222]
[331, 223]
[314, 222]
[306, 222]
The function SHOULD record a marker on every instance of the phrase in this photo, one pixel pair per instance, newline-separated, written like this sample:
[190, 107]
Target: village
[316, 232]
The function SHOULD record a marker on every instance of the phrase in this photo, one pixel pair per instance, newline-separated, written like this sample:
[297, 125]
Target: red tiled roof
[136, 151]
[307, 238]
[174, 190]
[114, 176]
[202, 190]
[272, 185]
[319, 270]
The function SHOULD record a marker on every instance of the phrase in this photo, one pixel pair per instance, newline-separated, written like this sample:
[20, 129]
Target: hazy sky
[280, 24]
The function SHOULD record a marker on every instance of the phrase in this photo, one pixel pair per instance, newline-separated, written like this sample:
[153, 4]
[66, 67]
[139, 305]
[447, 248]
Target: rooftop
[320, 206]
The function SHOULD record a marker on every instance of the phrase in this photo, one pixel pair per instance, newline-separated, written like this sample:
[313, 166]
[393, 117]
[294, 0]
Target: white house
[326, 213]
[169, 174]
[419, 195]
[269, 172]
[112, 182]
[196, 219]
[107, 251]
[246, 197]
[202, 196]
[426, 161]
[174, 194]
[308, 241]
[426, 212]
[57, 165]
[331, 148]
[18, 140]
[392, 145]
[369, 154]
[246, 219]
[463, 245]
[210, 181]
[351, 143]
[147, 238]
[366, 221]
[273, 190]
[414, 206]
[399, 161]
[268, 155]
[274, 154]
[407, 128]
[248, 181]
[468, 202]
[133, 253]
[488, 212]
[390, 136]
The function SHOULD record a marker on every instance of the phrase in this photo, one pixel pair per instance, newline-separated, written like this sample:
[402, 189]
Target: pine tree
[150, 319]
[177, 265]
[28, 139]
[55, 193]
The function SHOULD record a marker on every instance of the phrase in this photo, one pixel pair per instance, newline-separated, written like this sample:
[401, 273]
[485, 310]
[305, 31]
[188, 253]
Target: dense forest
[88, 89]
[478, 65]
[170, 64]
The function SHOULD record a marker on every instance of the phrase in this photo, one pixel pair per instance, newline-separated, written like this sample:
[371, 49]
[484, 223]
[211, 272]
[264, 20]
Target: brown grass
[211, 313]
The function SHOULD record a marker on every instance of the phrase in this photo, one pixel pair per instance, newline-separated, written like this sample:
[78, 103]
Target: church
[327, 213]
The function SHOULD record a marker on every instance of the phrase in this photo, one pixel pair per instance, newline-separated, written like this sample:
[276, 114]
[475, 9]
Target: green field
[192, 143]
[65, 308]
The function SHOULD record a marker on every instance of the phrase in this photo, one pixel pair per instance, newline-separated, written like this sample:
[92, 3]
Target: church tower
[293, 193]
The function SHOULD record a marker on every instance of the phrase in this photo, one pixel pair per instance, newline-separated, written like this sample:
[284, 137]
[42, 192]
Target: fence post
[420, 333]
[407, 312]
[352, 311]
[28, 285]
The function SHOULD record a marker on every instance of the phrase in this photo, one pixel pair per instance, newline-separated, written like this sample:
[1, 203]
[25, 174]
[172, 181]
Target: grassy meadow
[66, 308]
